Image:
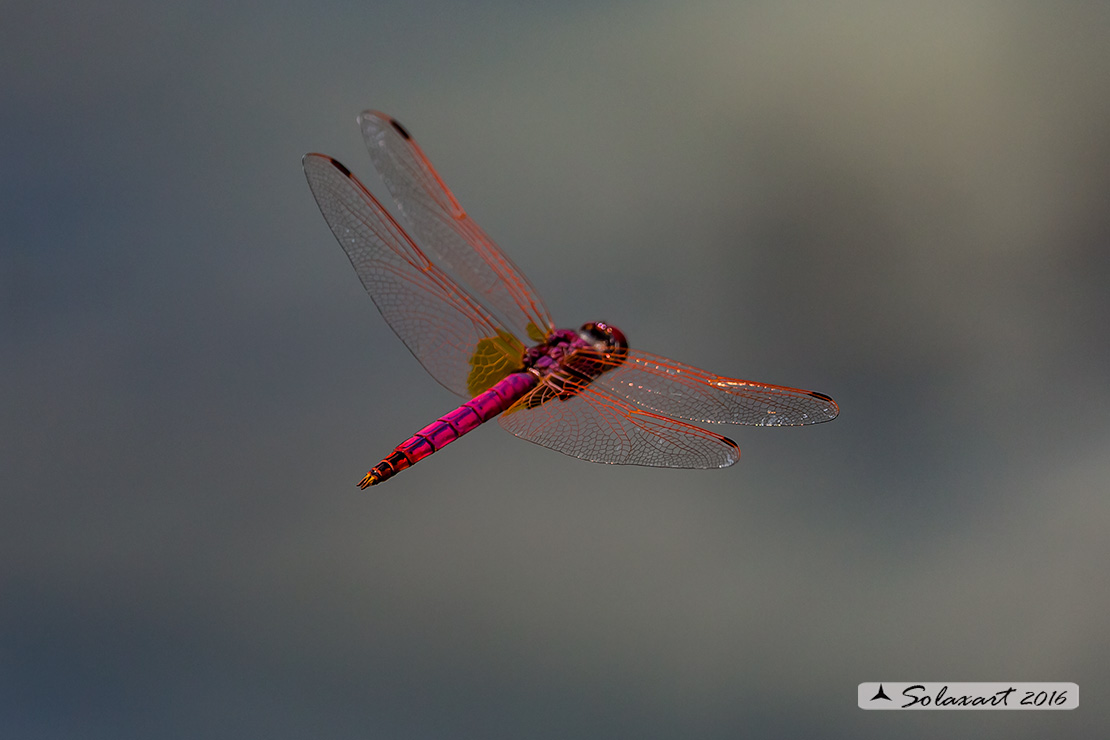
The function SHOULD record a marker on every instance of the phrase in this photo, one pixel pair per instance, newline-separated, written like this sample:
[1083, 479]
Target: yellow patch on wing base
[493, 359]
[535, 333]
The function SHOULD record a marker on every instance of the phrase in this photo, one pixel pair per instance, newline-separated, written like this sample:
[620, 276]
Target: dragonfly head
[606, 339]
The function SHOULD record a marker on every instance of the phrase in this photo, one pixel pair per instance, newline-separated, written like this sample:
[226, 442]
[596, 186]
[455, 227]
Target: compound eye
[596, 332]
[617, 339]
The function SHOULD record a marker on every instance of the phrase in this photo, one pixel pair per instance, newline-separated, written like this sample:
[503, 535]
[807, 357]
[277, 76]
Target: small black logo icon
[881, 695]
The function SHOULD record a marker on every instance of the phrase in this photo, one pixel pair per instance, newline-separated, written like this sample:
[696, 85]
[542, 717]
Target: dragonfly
[476, 324]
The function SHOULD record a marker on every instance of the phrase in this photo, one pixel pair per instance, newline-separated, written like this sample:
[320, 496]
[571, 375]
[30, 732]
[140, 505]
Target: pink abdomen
[449, 427]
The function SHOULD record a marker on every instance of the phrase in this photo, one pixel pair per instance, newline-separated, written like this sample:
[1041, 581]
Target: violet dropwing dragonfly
[477, 325]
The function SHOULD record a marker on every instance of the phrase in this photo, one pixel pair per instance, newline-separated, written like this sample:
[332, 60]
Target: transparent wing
[436, 319]
[447, 233]
[684, 392]
[595, 426]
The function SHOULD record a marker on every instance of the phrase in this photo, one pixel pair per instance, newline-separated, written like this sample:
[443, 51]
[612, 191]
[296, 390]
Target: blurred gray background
[904, 209]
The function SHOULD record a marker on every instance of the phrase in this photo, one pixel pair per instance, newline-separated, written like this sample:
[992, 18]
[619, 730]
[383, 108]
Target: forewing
[595, 426]
[449, 236]
[684, 392]
[443, 327]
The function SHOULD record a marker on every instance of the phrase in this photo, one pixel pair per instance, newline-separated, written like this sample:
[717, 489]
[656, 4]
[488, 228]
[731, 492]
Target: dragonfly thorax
[569, 360]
